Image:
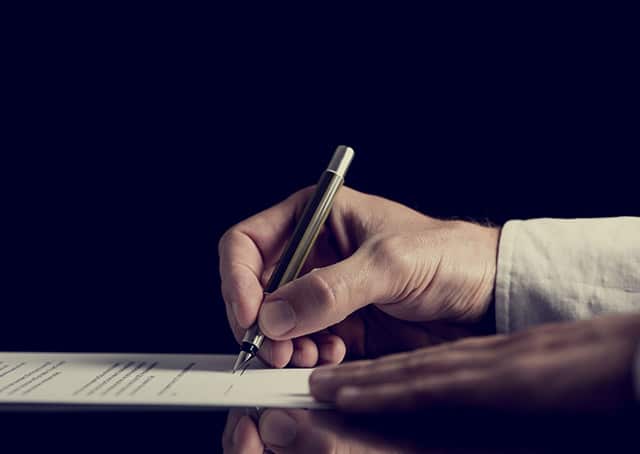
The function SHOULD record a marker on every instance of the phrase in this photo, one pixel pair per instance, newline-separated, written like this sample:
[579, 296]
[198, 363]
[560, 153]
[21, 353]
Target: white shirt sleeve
[567, 269]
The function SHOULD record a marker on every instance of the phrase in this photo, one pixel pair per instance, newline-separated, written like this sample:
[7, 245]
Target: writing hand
[378, 277]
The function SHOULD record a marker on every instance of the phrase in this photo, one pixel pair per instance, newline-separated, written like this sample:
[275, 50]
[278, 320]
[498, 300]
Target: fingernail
[348, 393]
[321, 375]
[278, 428]
[277, 317]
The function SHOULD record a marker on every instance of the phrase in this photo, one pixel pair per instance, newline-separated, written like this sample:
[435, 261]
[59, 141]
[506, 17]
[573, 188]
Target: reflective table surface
[291, 431]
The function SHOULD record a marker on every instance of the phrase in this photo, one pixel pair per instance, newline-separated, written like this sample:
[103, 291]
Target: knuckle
[520, 374]
[522, 368]
[301, 196]
[395, 254]
[413, 361]
[384, 248]
[522, 337]
[390, 249]
[305, 192]
[536, 341]
[410, 367]
[324, 293]
[226, 238]
[298, 200]
[221, 242]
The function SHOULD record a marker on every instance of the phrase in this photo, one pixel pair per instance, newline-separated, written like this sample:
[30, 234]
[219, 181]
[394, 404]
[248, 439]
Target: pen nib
[242, 361]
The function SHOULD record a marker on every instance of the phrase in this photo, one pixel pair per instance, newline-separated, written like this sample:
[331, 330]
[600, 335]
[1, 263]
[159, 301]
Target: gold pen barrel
[304, 236]
[311, 221]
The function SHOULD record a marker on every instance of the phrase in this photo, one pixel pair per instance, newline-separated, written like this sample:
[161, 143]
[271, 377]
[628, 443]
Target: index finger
[250, 247]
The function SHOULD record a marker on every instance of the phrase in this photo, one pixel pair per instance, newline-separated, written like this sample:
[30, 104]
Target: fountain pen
[304, 236]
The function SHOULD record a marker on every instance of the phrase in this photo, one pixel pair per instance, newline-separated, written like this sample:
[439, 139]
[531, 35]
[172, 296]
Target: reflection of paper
[108, 379]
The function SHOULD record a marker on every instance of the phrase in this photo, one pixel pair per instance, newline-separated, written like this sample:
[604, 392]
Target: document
[107, 380]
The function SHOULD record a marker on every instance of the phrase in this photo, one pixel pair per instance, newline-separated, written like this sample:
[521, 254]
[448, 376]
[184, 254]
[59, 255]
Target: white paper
[122, 379]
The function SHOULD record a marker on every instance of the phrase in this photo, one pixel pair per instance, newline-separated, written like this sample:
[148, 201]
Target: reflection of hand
[281, 431]
[292, 431]
[577, 366]
[380, 271]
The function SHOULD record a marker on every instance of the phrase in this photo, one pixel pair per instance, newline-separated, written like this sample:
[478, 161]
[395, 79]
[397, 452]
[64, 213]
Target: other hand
[572, 366]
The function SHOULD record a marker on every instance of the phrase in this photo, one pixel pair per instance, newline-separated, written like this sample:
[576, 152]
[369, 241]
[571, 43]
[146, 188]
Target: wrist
[487, 319]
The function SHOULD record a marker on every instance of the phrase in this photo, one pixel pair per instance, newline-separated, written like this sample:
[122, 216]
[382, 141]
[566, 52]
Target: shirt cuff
[503, 276]
[552, 270]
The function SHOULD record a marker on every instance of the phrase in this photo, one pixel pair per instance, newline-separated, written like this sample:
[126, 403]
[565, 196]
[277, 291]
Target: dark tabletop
[201, 431]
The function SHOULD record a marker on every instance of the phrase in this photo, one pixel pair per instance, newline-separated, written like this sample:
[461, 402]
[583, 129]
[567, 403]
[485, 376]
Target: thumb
[321, 298]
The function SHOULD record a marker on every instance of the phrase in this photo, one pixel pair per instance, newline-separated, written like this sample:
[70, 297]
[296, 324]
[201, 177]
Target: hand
[578, 366]
[377, 273]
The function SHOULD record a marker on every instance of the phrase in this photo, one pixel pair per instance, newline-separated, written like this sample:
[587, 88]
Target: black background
[135, 138]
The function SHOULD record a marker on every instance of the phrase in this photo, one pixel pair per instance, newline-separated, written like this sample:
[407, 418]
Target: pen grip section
[252, 339]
